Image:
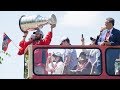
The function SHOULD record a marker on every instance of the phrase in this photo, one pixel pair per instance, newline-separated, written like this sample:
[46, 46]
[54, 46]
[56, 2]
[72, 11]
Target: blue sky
[69, 23]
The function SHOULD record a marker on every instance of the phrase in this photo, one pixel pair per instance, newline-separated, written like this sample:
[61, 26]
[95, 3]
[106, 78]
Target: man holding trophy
[38, 40]
[31, 23]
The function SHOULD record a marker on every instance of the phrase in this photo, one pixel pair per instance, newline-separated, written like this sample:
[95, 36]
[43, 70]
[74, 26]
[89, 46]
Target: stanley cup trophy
[30, 23]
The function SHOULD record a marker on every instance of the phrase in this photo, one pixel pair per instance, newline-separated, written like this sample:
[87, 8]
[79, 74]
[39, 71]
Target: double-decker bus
[109, 62]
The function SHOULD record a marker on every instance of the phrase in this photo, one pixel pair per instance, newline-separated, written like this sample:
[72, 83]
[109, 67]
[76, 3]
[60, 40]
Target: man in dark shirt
[84, 66]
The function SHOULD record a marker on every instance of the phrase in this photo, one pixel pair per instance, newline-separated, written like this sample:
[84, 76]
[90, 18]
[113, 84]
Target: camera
[92, 39]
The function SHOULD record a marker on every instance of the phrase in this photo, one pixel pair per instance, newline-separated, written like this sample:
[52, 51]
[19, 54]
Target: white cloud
[81, 18]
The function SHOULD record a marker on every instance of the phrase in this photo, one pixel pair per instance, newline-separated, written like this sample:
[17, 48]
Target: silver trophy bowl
[30, 23]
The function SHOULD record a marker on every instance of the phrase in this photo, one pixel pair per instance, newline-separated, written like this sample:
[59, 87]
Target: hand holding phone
[82, 35]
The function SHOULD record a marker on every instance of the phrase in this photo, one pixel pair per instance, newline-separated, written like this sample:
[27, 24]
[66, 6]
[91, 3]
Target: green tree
[4, 53]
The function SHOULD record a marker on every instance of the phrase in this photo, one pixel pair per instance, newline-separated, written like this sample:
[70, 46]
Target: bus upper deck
[90, 62]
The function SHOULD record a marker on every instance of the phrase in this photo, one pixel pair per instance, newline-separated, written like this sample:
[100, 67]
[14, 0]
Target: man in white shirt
[54, 64]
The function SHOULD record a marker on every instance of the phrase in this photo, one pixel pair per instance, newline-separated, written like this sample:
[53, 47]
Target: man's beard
[37, 38]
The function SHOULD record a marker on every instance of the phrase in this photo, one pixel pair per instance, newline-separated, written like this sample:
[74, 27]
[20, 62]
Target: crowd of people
[85, 64]
[88, 62]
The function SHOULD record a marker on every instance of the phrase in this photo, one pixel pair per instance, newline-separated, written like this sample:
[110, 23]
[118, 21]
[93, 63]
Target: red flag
[6, 41]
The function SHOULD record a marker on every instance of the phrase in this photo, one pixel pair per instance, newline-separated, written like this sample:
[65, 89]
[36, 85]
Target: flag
[6, 41]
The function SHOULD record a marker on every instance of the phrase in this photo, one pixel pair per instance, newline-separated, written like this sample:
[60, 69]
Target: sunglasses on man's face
[81, 60]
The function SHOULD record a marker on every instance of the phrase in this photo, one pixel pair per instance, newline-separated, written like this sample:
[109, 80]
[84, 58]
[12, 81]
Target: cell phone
[82, 35]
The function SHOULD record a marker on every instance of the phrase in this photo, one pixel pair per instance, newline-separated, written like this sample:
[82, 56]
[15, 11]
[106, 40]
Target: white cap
[63, 38]
[40, 32]
[32, 37]
[57, 54]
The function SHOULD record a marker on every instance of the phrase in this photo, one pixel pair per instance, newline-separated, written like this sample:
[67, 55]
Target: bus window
[67, 61]
[40, 57]
[113, 61]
